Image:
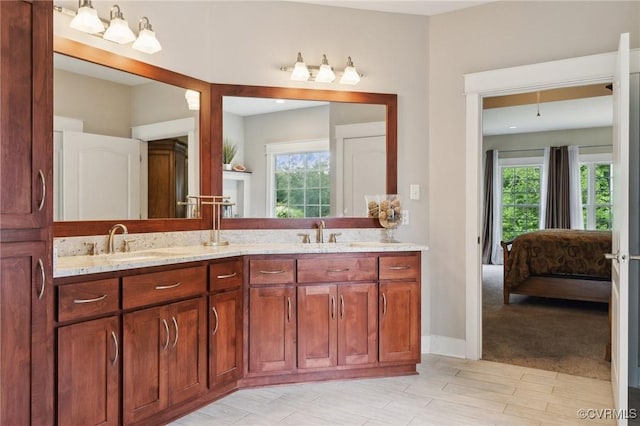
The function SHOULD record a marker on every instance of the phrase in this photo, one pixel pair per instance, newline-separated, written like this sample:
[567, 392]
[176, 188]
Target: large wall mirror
[302, 155]
[127, 146]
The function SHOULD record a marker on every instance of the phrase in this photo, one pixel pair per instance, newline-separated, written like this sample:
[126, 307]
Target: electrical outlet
[414, 191]
[405, 217]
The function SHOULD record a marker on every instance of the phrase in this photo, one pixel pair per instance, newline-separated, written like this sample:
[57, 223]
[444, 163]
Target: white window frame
[590, 160]
[290, 147]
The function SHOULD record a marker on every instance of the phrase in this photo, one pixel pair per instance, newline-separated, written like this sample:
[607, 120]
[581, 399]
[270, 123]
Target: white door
[101, 177]
[620, 246]
[365, 161]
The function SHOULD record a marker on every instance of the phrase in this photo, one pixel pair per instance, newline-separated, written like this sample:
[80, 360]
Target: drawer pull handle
[43, 182]
[384, 304]
[97, 299]
[115, 348]
[279, 271]
[222, 277]
[175, 325]
[341, 306]
[288, 309]
[43, 281]
[167, 287]
[215, 314]
[338, 269]
[399, 268]
[166, 329]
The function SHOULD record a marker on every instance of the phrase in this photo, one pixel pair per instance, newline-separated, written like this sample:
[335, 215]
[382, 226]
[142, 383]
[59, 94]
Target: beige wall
[495, 35]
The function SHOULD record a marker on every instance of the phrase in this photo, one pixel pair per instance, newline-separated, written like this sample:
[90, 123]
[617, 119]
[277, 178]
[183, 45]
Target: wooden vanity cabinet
[89, 353]
[272, 318]
[164, 346]
[225, 321]
[337, 323]
[399, 310]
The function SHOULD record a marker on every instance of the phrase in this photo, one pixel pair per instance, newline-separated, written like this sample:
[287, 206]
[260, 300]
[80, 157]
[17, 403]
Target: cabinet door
[225, 350]
[88, 373]
[399, 321]
[272, 329]
[317, 326]
[357, 324]
[26, 122]
[187, 349]
[26, 341]
[146, 342]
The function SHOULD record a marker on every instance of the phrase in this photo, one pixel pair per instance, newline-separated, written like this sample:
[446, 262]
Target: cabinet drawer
[163, 286]
[272, 271]
[87, 299]
[225, 274]
[337, 268]
[400, 267]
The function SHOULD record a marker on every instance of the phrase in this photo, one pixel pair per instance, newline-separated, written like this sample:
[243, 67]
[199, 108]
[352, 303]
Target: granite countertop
[67, 266]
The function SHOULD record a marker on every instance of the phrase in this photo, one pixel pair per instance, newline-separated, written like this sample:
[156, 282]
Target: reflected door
[101, 177]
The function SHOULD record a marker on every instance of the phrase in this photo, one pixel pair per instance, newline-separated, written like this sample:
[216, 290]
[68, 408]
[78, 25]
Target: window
[520, 199]
[595, 182]
[299, 179]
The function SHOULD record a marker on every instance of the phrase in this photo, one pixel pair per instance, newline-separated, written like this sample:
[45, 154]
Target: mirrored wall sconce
[116, 29]
[193, 99]
[323, 73]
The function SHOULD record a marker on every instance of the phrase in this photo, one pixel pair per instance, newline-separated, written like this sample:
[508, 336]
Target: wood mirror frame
[218, 91]
[108, 59]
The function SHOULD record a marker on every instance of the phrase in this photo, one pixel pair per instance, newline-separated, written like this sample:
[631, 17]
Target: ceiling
[416, 7]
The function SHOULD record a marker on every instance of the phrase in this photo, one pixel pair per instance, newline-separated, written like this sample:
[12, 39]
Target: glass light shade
[325, 75]
[350, 76]
[86, 20]
[193, 99]
[147, 42]
[119, 32]
[300, 72]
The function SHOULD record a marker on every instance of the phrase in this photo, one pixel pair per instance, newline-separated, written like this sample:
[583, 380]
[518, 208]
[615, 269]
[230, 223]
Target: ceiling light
[325, 74]
[118, 31]
[86, 20]
[300, 71]
[350, 75]
[193, 99]
[146, 41]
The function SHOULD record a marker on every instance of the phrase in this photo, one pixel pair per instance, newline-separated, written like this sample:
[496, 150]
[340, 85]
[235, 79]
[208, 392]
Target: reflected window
[299, 179]
[597, 190]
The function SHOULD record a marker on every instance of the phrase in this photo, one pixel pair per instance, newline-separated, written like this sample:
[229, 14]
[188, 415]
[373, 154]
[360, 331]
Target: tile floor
[448, 391]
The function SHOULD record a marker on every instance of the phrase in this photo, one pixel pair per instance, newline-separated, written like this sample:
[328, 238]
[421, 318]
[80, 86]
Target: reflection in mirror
[127, 147]
[303, 154]
[322, 157]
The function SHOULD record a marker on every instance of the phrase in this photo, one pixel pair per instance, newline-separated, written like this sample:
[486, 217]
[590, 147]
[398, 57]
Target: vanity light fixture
[146, 41]
[118, 31]
[86, 19]
[193, 99]
[323, 73]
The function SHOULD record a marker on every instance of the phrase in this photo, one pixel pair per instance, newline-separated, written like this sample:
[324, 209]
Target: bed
[561, 264]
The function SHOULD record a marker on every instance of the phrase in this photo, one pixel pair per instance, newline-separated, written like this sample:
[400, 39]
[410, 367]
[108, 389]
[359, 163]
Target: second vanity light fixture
[323, 73]
[117, 31]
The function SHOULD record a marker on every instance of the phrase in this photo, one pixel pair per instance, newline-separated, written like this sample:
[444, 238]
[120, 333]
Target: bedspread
[559, 252]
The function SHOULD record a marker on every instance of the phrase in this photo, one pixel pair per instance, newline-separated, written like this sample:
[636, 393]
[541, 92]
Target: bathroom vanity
[148, 338]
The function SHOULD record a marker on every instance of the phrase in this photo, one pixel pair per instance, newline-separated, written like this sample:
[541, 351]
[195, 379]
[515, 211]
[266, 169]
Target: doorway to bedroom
[546, 164]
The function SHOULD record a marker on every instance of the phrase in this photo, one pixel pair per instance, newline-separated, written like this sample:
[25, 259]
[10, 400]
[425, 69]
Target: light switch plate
[414, 191]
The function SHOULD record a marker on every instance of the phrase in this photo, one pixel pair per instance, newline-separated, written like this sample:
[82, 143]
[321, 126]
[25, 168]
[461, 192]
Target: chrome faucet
[320, 232]
[112, 232]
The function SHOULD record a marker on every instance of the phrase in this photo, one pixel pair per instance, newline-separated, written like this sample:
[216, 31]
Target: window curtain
[496, 251]
[487, 224]
[558, 199]
[544, 182]
[575, 189]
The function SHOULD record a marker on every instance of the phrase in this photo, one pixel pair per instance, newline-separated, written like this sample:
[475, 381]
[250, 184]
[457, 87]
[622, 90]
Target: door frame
[547, 75]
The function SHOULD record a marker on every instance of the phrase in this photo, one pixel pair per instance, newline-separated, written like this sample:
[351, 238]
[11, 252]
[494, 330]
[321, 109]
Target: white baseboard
[442, 345]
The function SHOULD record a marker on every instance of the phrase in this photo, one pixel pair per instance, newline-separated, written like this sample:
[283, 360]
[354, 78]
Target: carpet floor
[550, 334]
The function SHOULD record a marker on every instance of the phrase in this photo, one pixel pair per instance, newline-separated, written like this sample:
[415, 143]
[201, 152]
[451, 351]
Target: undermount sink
[138, 256]
[373, 244]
